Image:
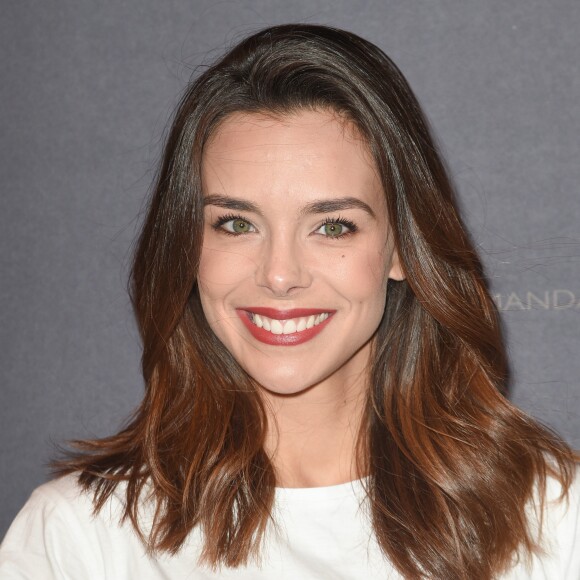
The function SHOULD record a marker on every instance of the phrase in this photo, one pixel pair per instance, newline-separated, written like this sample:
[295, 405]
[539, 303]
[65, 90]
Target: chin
[288, 383]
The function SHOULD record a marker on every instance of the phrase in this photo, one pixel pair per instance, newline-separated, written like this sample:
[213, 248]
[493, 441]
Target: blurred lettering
[560, 299]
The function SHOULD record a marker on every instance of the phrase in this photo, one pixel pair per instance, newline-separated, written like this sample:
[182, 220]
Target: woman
[323, 361]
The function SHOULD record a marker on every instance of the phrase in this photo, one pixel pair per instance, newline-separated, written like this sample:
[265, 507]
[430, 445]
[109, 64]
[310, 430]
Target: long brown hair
[451, 462]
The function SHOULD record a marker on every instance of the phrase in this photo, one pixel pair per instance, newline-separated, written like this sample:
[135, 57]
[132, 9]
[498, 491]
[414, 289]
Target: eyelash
[217, 225]
[224, 219]
[343, 222]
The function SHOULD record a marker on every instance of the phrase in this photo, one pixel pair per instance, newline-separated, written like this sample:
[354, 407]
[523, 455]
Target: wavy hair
[451, 462]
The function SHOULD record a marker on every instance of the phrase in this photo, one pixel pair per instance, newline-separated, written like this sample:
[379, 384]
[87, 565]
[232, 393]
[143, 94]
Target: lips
[284, 327]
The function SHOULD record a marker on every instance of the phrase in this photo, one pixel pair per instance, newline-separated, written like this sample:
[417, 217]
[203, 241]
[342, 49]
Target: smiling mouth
[289, 326]
[284, 327]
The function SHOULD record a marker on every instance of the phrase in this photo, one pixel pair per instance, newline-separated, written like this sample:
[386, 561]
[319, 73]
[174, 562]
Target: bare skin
[296, 219]
[314, 444]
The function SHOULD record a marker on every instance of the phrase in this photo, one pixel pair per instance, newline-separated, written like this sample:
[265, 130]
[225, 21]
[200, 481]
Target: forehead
[293, 129]
[316, 151]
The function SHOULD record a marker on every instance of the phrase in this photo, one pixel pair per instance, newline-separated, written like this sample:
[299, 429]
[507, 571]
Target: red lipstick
[292, 339]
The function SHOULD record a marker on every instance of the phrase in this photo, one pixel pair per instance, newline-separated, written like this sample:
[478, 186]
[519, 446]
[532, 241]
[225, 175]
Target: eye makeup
[245, 226]
[329, 222]
[220, 222]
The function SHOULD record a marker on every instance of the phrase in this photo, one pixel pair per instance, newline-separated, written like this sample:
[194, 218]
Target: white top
[325, 534]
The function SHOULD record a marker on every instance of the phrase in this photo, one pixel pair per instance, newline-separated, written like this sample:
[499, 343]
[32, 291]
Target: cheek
[362, 275]
[216, 277]
[221, 270]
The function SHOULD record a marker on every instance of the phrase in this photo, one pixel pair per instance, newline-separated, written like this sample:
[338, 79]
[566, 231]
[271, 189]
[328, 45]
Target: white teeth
[277, 327]
[290, 326]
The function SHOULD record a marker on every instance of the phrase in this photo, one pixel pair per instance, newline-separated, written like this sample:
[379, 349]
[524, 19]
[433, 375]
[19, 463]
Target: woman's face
[296, 251]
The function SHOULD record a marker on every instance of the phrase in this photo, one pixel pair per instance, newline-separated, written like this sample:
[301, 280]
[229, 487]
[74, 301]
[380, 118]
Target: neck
[312, 436]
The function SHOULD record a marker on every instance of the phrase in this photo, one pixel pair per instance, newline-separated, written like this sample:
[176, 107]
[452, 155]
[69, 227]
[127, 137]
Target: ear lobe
[396, 272]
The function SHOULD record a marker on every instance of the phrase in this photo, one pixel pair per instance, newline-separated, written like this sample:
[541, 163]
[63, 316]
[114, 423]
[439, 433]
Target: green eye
[240, 226]
[333, 229]
[233, 225]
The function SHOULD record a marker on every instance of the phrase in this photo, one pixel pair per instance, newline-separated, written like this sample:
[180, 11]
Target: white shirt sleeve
[560, 535]
[50, 538]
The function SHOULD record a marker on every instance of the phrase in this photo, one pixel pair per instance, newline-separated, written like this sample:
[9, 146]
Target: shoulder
[58, 524]
[559, 512]
[61, 493]
[555, 522]
[63, 499]
[53, 501]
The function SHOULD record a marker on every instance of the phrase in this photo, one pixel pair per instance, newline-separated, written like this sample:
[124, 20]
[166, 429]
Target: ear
[396, 272]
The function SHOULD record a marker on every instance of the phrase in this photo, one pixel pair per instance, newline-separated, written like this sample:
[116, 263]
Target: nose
[282, 269]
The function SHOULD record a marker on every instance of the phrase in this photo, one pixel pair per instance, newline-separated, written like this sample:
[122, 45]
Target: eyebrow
[231, 203]
[339, 204]
[315, 207]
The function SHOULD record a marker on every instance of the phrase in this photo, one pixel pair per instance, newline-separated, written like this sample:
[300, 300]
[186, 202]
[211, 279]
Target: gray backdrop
[86, 93]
